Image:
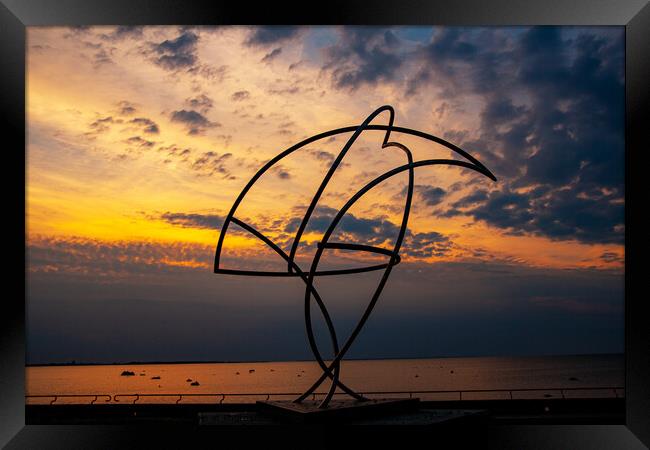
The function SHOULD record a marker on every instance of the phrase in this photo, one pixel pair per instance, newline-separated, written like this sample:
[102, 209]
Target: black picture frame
[15, 15]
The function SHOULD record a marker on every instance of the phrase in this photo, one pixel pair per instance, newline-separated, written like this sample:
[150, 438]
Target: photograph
[343, 227]
[481, 221]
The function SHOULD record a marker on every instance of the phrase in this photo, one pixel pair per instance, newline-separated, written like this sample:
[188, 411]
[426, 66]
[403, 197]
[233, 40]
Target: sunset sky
[139, 140]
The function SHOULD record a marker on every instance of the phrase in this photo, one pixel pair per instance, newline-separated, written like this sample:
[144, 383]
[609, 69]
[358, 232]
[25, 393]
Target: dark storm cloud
[552, 121]
[559, 215]
[363, 55]
[149, 126]
[178, 53]
[374, 231]
[448, 46]
[195, 122]
[564, 143]
[271, 35]
[371, 230]
[464, 60]
[431, 195]
[475, 197]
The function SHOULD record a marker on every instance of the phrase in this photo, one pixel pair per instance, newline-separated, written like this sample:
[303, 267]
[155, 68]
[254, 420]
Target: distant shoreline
[142, 363]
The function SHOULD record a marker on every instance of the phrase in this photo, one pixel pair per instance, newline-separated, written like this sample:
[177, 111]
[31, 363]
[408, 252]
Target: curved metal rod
[355, 270]
[393, 253]
[328, 320]
[332, 371]
[293, 274]
[334, 166]
[310, 281]
[334, 223]
[360, 247]
[308, 141]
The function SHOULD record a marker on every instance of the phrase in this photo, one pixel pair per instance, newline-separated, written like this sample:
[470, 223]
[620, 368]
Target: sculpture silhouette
[332, 370]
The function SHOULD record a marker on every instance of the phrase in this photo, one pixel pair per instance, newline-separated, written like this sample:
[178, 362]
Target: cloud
[103, 124]
[149, 126]
[559, 215]
[202, 163]
[281, 172]
[102, 57]
[291, 90]
[371, 231]
[324, 156]
[201, 102]
[426, 245]
[112, 260]
[431, 195]
[240, 95]
[139, 142]
[126, 108]
[195, 122]
[210, 163]
[178, 53]
[211, 73]
[611, 257]
[475, 197]
[123, 32]
[185, 220]
[363, 55]
[271, 35]
[376, 231]
[272, 55]
[551, 129]
[174, 150]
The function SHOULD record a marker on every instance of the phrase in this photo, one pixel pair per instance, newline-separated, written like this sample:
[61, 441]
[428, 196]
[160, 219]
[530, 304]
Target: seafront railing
[220, 398]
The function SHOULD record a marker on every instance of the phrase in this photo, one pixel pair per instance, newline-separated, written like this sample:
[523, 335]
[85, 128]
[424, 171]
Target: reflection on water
[411, 375]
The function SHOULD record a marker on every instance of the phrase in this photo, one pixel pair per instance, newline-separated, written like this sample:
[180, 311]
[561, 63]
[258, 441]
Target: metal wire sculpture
[332, 370]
